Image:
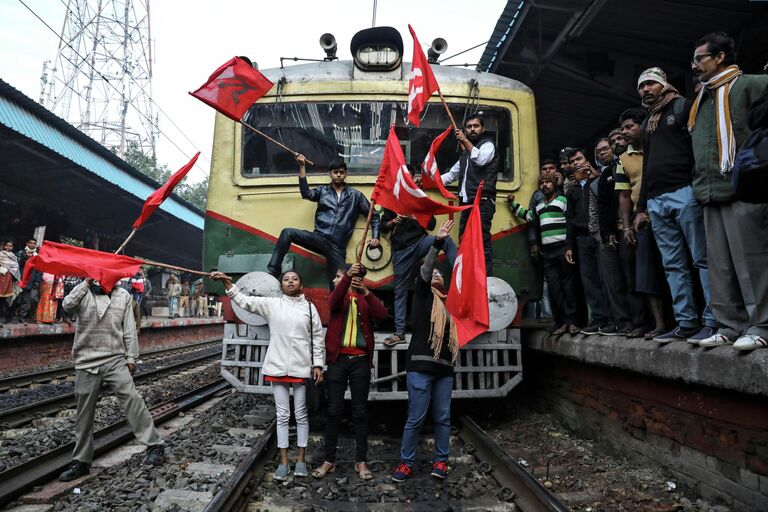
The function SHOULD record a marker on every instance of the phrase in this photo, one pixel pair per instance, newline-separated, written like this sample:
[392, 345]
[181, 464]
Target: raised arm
[425, 272]
[258, 305]
[71, 302]
[311, 194]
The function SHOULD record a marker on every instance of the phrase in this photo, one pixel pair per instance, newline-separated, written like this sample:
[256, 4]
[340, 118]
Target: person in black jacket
[338, 207]
[410, 243]
[429, 365]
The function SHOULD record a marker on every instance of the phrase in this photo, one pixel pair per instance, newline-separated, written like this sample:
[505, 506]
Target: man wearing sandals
[349, 348]
[429, 365]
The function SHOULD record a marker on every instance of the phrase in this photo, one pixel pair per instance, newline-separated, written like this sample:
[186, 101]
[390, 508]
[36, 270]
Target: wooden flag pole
[447, 110]
[120, 249]
[259, 132]
[361, 246]
[174, 267]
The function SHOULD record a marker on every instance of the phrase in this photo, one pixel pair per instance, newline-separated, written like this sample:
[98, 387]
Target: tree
[195, 193]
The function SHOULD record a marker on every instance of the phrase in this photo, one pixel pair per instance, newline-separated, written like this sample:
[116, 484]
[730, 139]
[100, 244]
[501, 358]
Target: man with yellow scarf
[737, 237]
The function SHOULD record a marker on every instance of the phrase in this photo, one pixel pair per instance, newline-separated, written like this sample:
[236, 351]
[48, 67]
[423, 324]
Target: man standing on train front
[338, 207]
[478, 162]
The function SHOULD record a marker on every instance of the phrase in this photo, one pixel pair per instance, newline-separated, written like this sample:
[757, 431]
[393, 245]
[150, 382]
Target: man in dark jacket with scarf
[478, 162]
[430, 359]
[338, 207]
[349, 349]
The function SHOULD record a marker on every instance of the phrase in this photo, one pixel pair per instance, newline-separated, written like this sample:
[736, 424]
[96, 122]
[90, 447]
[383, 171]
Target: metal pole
[373, 23]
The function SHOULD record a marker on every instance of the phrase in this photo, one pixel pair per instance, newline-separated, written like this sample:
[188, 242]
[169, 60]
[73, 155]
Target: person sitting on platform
[294, 327]
[559, 273]
[338, 207]
[430, 360]
[105, 350]
[410, 243]
[349, 346]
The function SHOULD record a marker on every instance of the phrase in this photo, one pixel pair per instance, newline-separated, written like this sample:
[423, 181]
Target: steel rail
[528, 493]
[43, 376]
[23, 414]
[19, 479]
[235, 495]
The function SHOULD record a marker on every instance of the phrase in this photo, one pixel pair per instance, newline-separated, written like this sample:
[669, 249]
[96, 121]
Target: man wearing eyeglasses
[737, 232]
[478, 162]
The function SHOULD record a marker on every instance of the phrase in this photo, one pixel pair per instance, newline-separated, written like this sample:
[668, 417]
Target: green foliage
[196, 193]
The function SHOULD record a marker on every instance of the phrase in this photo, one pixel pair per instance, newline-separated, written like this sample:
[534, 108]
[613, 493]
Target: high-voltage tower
[101, 77]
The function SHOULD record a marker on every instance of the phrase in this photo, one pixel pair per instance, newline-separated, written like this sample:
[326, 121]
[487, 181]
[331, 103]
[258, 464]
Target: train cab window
[357, 132]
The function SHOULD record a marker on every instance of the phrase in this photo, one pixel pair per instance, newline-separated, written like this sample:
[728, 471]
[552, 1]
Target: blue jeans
[404, 261]
[423, 388]
[173, 306]
[678, 222]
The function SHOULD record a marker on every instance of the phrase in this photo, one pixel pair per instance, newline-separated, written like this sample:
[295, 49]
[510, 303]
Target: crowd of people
[656, 221]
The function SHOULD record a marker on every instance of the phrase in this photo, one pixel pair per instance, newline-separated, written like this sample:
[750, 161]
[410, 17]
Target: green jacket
[708, 185]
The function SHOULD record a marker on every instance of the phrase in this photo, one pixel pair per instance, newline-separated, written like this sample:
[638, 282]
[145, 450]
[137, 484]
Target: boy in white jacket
[287, 362]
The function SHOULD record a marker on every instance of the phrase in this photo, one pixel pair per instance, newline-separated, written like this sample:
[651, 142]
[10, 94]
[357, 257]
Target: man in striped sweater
[105, 351]
[549, 214]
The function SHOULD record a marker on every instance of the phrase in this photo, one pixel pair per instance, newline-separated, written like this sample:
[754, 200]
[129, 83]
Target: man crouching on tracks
[429, 365]
[338, 207]
[105, 351]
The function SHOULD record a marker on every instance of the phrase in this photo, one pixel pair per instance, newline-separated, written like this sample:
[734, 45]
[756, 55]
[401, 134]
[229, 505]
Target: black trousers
[560, 282]
[356, 371]
[618, 275]
[487, 209]
[334, 254]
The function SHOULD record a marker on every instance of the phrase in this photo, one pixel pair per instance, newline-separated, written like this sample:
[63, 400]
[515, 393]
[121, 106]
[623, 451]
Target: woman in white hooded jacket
[287, 362]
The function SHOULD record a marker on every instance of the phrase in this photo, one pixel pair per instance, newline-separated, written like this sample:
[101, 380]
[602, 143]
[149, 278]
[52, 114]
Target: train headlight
[377, 49]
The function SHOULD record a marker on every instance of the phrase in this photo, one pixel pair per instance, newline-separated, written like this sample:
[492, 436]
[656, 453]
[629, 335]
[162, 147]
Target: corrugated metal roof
[24, 116]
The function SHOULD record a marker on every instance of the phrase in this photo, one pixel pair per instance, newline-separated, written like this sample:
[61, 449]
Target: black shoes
[591, 329]
[75, 470]
[155, 455]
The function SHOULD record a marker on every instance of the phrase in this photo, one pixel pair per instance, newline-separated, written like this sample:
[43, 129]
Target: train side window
[357, 132]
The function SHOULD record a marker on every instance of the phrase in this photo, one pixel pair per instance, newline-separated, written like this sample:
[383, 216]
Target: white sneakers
[746, 342]
[715, 340]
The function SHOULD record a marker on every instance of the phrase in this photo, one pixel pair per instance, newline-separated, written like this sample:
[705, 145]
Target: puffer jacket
[289, 331]
[336, 216]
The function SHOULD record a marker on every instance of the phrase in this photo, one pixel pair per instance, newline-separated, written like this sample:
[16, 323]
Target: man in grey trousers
[105, 350]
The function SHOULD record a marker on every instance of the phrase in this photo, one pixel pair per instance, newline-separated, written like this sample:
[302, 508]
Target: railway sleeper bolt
[468, 448]
[484, 468]
[506, 494]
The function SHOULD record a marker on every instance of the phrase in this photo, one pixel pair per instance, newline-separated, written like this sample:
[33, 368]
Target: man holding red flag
[429, 365]
[478, 162]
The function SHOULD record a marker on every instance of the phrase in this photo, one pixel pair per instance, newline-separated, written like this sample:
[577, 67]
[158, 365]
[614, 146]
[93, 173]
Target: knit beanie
[654, 75]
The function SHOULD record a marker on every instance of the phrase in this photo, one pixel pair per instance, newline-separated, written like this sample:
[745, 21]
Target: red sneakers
[401, 473]
[439, 470]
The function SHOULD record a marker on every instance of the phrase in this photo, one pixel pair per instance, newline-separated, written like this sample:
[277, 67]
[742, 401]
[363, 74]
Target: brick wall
[40, 351]
[712, 441]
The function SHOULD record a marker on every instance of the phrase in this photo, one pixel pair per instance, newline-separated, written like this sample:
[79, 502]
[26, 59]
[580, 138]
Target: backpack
[750, 169]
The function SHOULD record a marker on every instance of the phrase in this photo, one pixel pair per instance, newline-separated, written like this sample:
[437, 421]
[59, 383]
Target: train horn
[328, 44]
[439, 46]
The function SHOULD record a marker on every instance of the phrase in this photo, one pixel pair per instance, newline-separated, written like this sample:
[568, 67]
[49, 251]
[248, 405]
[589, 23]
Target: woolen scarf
[437, 319]
[720, 85]
[668, 93]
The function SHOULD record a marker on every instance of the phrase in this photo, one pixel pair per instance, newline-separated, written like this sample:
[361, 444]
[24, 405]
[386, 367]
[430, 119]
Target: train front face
[333, 109]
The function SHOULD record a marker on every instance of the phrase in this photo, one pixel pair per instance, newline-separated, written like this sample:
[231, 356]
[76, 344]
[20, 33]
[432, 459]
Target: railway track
[517, 489]
[21, 415]
[23, 477]
[62, 372]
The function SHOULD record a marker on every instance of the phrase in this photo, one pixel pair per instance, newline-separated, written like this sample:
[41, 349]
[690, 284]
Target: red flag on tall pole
[430, 174]
[233, 88]
[157, 197]
[422, 83]
[468, 294]
[69, 260]
[396, 190]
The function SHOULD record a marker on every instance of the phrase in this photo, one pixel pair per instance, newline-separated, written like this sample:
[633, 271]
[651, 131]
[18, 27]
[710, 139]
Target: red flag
[468, 295]
[157, 197]
[69, 260]
[422, 83]
[233, 88]
[430, 174]
[396, 190]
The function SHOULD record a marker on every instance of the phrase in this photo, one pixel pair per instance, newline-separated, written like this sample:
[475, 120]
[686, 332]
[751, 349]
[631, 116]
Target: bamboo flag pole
[447, 110]
[259, 132]
[361, 246]
[180, 269]
[120, 249]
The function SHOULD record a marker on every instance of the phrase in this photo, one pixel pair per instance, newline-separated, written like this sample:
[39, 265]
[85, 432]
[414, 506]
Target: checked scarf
[721, 85]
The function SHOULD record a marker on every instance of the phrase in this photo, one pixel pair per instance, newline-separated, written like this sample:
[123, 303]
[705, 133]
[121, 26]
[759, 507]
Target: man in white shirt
[478, 162]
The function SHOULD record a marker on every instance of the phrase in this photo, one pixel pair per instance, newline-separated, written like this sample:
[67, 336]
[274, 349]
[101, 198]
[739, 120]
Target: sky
[192, 38]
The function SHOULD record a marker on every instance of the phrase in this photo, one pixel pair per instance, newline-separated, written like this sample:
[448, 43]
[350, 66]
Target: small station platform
[37, 345]
[702, 413]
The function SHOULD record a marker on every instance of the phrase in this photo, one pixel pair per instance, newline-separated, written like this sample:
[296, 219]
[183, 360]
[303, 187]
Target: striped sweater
[550, 216]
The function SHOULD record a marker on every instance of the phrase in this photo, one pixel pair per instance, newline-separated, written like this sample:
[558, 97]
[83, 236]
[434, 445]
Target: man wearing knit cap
[666, 199]
[105, 352]
[721, 119]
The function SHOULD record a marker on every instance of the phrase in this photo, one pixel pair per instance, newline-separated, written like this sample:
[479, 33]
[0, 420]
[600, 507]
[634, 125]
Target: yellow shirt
[632, 168]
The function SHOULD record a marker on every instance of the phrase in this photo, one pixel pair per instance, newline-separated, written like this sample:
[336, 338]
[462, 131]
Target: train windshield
[357, 133]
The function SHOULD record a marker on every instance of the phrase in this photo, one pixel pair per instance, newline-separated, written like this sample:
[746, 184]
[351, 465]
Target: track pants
[282, 392]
